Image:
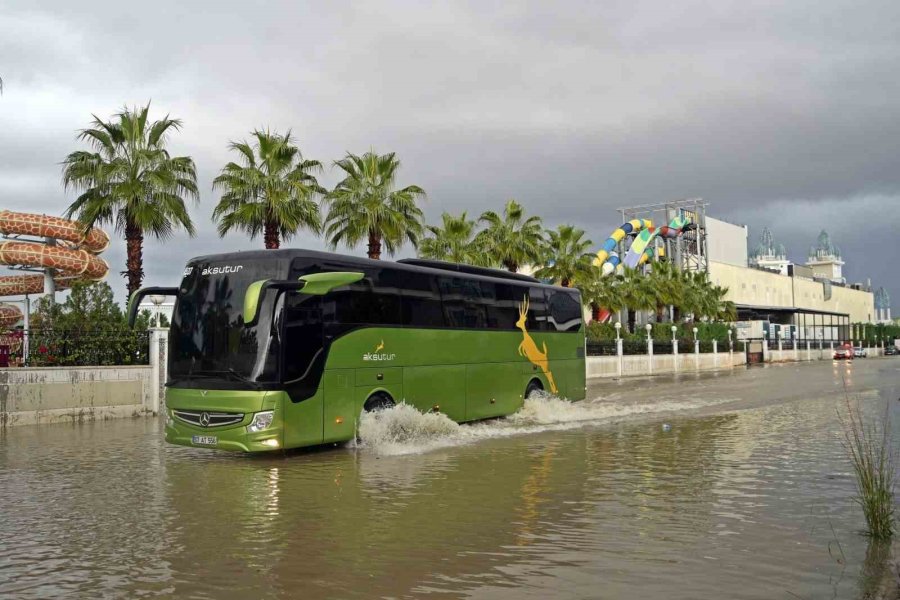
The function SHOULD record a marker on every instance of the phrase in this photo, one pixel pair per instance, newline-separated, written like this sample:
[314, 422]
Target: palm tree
[455, 241]
[271, 192]
[365, 205]
[600, 292]
[637, 293]
[668, 283]
[130, 179]
[568, 256]
[512, 239]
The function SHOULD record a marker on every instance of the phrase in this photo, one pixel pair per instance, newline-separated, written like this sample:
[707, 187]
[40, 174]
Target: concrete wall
[70, 394]
[762, 288]
[658, 364]
[67, 394]
[726, 242]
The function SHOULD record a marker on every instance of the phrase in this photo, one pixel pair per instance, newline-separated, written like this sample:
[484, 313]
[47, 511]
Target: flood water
[729, 485]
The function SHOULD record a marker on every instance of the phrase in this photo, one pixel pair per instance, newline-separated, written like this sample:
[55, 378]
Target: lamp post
[696, 342]
[157, 301]
[674, 341]
[618, 326]
[649, 329]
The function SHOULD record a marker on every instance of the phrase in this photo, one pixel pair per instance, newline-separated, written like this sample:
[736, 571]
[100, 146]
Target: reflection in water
[748, 495]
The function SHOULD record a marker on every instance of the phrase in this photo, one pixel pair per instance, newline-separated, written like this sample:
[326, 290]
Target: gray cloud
[778, 114]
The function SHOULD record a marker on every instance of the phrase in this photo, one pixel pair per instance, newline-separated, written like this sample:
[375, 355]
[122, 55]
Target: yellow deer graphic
[530, 350]
[379, 346]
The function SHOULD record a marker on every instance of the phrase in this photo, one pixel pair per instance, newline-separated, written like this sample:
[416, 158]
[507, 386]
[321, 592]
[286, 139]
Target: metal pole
[27, 330]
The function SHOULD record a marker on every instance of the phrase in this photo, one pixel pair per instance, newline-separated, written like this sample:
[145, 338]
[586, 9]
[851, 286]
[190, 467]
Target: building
[769, 255]
[825, 259]
[882, 306]
[811, 301]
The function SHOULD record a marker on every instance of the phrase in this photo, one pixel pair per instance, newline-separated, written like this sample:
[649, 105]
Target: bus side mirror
[135, 300]
[315, 284]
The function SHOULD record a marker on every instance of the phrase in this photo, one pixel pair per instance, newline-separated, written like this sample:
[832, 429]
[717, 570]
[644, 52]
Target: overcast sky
[779, 114]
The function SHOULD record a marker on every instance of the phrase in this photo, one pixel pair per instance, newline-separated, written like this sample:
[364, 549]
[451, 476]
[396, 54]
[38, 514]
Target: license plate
[205, 440]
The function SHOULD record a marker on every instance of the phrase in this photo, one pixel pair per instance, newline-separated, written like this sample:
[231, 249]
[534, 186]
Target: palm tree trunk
[632, 317]
[134, 261]
[374, 246]
[270, 236]
[511, 266]
[565, 282]
[595, 311]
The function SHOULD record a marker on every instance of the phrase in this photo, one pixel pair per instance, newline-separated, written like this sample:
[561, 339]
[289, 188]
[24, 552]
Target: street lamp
[618, 326]
[649, 329]
[674, 331]
[157, 301]
[695, 334]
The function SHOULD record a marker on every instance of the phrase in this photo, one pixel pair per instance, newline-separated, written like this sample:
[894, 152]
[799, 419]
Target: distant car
[859, 352]
[891, 351]
[844, 352]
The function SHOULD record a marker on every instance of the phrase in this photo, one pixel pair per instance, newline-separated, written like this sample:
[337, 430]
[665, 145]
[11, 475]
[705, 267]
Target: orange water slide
[72, 256]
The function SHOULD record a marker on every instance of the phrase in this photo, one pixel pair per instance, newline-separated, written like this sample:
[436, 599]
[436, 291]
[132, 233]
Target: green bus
[278, 349]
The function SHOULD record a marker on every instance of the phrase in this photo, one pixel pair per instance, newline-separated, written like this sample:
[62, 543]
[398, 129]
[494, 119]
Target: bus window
[462, 302]
[302, 333]
[420, 301]
[537, 310]
[374, 300]
[565, 310]
[503, 312]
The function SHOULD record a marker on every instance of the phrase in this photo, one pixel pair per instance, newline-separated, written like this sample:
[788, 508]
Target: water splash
[404, 430]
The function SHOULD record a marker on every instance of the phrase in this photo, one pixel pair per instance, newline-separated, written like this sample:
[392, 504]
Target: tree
[600, 292]
[637, 293]
[668, 285]
[511, 238]
[567, 256]
[365, 205]
[130, 180]
[455, 241]
[271, 191]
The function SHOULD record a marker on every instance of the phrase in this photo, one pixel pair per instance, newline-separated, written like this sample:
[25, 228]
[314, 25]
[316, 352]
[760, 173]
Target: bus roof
[433, 267]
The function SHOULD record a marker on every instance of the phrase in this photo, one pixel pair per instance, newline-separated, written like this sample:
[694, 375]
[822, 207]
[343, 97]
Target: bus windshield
[210, 345]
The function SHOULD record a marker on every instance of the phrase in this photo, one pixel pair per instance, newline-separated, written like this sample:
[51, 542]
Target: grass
[870, 448]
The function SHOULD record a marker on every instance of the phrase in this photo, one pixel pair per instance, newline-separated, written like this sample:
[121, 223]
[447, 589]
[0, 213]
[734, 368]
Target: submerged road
[713, 485]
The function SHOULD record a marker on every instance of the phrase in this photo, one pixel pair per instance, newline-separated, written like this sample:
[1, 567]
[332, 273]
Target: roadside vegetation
[871, 450]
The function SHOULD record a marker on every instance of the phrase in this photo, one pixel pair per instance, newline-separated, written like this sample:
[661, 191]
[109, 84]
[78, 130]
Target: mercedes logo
[204, 419]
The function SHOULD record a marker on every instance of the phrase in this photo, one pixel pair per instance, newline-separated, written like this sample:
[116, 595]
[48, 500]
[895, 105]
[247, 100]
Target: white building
[769, 255]
[825, 260]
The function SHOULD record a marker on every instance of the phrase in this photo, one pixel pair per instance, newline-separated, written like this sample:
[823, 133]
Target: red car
[844, 351]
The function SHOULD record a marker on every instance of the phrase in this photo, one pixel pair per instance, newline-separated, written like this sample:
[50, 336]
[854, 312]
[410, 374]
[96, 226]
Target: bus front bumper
[185, 405]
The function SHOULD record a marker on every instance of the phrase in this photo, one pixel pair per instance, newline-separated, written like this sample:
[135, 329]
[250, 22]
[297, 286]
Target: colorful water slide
[607, 258]
[641, 250]
[71, 254]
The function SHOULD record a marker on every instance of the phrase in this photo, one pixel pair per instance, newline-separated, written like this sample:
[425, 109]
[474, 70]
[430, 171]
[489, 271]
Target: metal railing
[54, 348]
[632, 347]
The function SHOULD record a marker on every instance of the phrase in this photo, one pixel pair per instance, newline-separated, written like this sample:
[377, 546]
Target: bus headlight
[261, 420]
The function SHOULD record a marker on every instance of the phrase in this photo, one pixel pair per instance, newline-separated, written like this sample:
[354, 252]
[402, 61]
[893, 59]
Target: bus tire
[378, 401]
[534, 386]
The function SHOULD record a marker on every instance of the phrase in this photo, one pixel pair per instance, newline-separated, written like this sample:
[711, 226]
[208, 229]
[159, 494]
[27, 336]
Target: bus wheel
[378, 401]
[534, 386]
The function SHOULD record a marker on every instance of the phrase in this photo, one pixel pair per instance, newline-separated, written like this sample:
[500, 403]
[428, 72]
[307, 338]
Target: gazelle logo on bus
[530, 350]
[378, 355]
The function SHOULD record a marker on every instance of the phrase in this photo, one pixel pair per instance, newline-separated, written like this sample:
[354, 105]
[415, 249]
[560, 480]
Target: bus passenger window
[463, 305]
[503, 312]
[565, 310]
[420, 301]
[537, 310]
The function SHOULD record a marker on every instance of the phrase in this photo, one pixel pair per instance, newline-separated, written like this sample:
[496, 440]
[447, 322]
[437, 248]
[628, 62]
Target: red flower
[42, 349]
